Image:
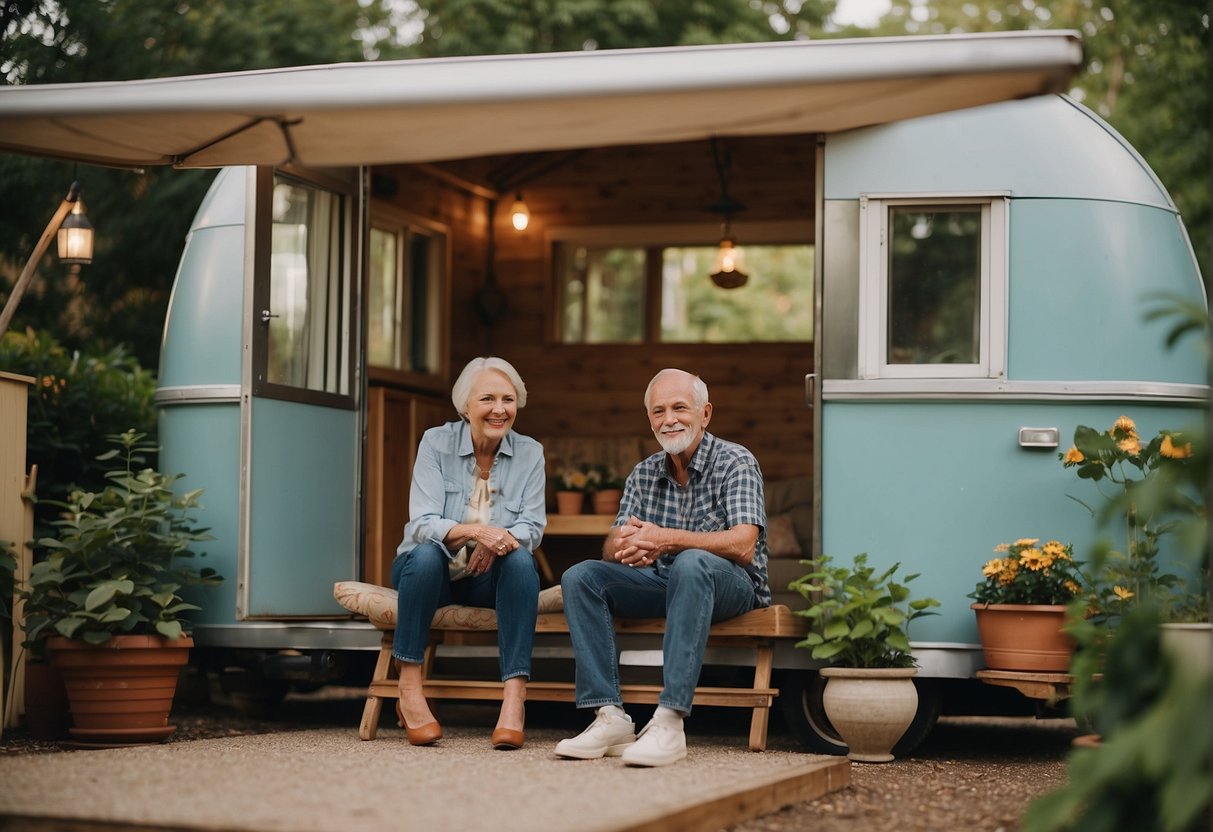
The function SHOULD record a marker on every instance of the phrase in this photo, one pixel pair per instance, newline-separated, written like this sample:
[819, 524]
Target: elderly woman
[476, 511]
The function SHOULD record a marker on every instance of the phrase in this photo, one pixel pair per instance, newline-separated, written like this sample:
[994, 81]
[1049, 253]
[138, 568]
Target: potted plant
[104, 597]
[860, 630]
[1156, 491]
[1021, 606]
[571, 484]
[608, 490]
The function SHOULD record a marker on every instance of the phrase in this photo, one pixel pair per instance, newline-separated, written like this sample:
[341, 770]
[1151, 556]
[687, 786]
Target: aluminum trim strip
[937, 389]
[197, 393]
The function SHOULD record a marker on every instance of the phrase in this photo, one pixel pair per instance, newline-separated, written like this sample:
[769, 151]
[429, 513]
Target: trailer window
[406, 295]
[662, 293]
[305, 307]
[932, 291]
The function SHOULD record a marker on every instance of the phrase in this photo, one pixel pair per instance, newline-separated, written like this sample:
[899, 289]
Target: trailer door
[301, 442]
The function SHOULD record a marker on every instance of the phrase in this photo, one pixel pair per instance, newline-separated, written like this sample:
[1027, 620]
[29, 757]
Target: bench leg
[762, 679]
[384, 669]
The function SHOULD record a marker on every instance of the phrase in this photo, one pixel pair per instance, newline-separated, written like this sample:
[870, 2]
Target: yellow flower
[1033, 559]
[1002, 547]
[992, 567]
[1124, 423]
[1009, 571]
[1171, 450]
[1055, 549]
[1072, 587]
[1073, 456]
[1122, 593]
[1130, 445]
[1027, 541]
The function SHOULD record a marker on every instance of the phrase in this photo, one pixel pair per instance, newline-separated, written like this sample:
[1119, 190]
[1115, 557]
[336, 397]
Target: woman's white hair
[462, 391]
[699, 390]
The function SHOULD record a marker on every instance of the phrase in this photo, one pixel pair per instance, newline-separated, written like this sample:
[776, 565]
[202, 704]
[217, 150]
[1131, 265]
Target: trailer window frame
[406, 228]
[335, 385]
[876, 281]
[651, 243]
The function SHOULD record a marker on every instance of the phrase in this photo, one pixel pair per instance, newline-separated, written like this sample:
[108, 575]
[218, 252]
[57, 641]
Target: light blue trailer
[927, 458]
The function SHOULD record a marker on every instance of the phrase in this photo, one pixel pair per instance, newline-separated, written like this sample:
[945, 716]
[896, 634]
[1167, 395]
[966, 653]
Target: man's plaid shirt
[724, 490]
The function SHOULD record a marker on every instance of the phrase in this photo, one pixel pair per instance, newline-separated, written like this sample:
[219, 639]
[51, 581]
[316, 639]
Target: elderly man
[689, 545]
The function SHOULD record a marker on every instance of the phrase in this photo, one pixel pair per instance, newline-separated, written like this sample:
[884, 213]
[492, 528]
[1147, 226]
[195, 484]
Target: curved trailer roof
[435, 109]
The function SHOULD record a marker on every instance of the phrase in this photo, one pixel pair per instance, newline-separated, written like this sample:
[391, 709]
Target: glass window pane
[775, 304]
[934, 301]
[308, 337]
[423, 275]
[383, 301]
[602, 294]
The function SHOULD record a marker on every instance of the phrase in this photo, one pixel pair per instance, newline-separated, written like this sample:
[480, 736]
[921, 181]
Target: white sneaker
[607, 736]
[661, 743]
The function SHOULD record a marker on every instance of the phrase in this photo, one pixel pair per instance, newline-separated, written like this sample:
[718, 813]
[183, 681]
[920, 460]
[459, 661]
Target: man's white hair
[699, 390]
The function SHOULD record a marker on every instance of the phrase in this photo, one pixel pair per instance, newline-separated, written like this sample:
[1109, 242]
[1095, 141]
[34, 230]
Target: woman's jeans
[511, 586]
[698, 589]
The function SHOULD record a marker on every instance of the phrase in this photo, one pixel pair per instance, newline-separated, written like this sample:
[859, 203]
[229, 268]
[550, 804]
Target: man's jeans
[511, 586]
[699, 590]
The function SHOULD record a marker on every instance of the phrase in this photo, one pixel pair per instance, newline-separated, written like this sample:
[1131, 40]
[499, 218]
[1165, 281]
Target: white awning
[435, 109]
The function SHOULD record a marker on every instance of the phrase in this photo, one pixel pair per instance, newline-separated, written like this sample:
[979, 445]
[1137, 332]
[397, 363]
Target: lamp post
[75, 247]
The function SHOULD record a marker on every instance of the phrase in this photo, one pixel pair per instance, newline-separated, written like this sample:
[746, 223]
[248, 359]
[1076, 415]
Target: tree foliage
[1146, 70]
[141, 217]
[498, 27]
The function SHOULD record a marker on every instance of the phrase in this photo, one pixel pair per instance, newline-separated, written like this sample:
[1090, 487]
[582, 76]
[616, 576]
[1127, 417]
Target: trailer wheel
[801, 706]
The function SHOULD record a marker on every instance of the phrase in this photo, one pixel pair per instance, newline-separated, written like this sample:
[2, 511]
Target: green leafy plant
[1154, 493]
[860, 618]
[77, 399]
[113, 565]
[1029, 573]
[605, 477]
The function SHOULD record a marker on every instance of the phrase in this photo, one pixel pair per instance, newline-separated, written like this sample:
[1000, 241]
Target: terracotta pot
[607, 501]
[569, 502]
[120, 691]
[871, 708]
[46, 712]
[1024, 637]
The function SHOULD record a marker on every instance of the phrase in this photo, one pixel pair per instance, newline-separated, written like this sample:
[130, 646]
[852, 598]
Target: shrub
[77, 399]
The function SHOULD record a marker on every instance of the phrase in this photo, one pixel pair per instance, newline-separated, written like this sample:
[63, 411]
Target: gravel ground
[972, 773]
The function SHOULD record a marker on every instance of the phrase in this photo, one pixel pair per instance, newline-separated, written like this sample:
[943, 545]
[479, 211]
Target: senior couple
[688, 545]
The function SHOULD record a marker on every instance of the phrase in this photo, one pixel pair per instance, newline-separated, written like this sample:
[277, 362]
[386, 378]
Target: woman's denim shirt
[442, 484]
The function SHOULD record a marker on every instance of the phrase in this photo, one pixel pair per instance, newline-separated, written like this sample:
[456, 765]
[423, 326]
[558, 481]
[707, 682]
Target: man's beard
[675, 444]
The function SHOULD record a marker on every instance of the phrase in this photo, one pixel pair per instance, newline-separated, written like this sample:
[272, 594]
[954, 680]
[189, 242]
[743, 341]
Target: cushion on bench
[378, 603]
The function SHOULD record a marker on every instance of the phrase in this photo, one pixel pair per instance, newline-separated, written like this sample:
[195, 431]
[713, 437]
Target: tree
[1146, 70]
[141, 217]
[498, 27]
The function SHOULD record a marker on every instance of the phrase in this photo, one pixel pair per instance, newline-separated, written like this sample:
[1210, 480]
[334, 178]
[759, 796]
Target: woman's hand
[491, 542]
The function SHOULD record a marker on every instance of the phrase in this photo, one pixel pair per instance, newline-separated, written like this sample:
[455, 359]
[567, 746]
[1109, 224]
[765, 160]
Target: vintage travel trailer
[949, 262]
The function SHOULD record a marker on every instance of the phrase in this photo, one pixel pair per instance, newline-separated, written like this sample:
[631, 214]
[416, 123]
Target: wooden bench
[757, 630]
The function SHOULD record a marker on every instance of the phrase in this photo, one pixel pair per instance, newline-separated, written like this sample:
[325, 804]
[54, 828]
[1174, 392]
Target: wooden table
[571, 525]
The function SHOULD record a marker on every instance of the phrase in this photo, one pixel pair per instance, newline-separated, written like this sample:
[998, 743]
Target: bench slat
[565, 692]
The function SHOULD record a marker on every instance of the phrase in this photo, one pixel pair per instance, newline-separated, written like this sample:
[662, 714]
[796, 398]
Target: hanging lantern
[76, 237]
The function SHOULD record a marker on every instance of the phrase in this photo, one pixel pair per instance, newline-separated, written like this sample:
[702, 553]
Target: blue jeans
[511, 586]
[699, 590]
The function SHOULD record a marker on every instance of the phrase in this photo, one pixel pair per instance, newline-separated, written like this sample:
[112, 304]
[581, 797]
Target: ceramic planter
[1191, 645]
[1025, 637]
[121, 691]
[871, 708]
[569, 502]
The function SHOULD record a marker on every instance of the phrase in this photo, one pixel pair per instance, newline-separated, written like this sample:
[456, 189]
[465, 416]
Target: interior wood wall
[757, 390]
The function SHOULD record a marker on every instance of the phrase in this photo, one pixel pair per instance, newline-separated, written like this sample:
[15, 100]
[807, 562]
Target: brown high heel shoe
[427, 734]
[507, 739]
